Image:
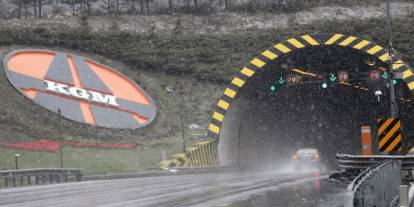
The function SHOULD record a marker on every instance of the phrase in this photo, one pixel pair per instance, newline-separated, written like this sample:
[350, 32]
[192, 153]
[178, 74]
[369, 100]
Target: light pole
[60, 138]
[16, 160]
[394, 106]
[180, 102]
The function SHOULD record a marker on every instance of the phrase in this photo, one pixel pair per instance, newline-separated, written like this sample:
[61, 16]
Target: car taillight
[295, 157]
[317, 157]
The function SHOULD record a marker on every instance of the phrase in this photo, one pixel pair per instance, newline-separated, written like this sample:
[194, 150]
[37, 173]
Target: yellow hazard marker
[247, 72]
[389, 135]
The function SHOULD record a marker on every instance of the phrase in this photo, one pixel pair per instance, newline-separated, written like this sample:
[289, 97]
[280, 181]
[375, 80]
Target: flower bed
[52, 145]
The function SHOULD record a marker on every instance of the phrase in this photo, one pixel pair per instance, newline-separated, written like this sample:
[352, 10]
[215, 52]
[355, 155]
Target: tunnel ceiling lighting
[303, 72]
[355, 86]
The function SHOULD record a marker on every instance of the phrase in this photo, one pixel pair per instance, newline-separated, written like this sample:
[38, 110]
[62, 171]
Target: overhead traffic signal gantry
[329, 80]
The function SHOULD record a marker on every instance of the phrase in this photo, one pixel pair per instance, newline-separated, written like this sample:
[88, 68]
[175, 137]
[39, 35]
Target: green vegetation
[208, 57]
[94, 161]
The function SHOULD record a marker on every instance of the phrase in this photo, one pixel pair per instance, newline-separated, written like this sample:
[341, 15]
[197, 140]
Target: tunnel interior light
[371, 63]
[303, 72]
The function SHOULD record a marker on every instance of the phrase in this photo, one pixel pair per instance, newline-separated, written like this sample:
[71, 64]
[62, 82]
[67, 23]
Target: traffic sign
[281, 81]
[294, 79]
[398, 75]
[389, 135]
[343, 76]
[332, 77]
[374, 75]
[82, 89]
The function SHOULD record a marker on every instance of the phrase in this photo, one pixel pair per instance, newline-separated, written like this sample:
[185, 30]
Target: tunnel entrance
[298, 101]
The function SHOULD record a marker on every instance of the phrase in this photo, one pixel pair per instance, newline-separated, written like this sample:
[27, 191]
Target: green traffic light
[332, 77]
[394, 82]
[272, 88]
[324, 85]
[281, 81]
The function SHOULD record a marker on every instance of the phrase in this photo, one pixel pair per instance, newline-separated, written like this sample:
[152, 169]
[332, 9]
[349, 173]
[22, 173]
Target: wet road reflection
[231, 189]
[316, 192]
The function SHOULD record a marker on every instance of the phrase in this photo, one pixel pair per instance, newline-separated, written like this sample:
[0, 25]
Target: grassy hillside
[201, 65]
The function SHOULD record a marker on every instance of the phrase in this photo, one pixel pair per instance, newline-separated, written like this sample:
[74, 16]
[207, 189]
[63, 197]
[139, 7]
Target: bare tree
[19, 4]
[25, 5]
[186, 4]
[109, 7]
[34, 8]
[20, 9]
[131, 6]
[170, 6]
[39, 8]
[72, 4]
[196, 6]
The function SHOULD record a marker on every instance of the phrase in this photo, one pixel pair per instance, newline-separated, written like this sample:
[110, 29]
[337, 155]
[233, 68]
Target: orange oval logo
[84, 90]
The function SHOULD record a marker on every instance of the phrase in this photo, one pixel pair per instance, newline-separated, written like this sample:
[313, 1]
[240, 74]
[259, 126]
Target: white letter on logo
[79, 93]
[107, 99]
[56, 87]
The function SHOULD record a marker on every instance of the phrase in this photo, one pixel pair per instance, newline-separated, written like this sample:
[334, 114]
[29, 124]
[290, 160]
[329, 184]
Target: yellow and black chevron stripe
[196, 156]
[259, 62]
[389, 135]
[202, 154]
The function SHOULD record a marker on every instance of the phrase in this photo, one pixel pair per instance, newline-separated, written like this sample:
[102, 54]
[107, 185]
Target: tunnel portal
[300, 101]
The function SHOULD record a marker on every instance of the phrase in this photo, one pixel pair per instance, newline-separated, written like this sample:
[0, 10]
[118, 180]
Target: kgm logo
[84, 90]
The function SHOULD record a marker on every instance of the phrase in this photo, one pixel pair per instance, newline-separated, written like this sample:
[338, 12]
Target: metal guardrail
[361, 162]
[13, 178]
[376, 186]
[158, 172]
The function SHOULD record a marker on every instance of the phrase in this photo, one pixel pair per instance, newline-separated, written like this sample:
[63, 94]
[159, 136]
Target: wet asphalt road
[226, 189]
